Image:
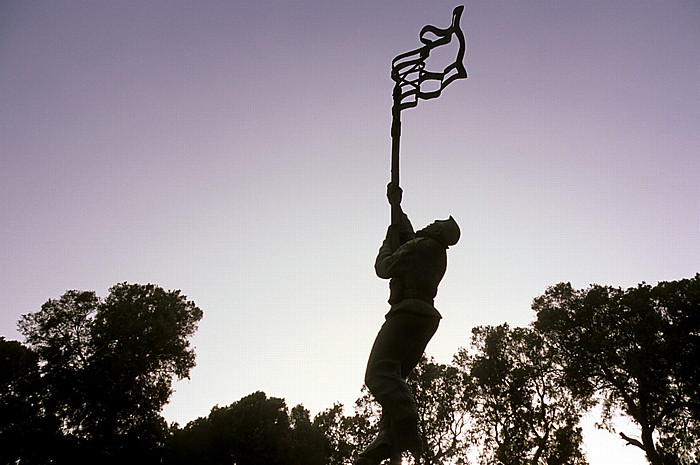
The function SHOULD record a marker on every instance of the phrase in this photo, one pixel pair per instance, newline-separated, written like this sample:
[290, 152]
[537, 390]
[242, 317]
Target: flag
[408, 70]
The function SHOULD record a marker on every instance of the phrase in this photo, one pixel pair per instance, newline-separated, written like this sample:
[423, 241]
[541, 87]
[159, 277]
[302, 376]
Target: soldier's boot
[377, 451]
[406, 436]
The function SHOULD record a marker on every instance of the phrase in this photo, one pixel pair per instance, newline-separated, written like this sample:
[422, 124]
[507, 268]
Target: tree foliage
[93, 376]
[521, 414]
[638, 349]
[444, 400]
[59, 334]
[345, 435]
[255, 430]
[106, 367]
[23, 424]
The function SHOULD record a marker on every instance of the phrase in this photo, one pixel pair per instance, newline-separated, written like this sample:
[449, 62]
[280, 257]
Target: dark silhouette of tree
[444, 400]
[255, 430]
[337, 446]
[60, 335]
[307, 443]
[346, 434]
[94, 375]
[23, 423]
[140, 343]
[638, 350]
[107, 367]
[521, 414]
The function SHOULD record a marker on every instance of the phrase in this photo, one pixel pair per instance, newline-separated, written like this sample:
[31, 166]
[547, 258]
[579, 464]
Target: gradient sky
[239, 151]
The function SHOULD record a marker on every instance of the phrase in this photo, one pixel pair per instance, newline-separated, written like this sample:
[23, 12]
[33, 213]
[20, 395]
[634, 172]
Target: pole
[395, 144]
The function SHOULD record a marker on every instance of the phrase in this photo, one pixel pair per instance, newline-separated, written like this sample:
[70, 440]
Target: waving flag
[408, 70]
[414, 82]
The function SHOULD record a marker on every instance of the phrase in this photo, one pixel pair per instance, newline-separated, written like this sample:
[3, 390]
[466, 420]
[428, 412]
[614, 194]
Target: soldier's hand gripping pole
[394, 194]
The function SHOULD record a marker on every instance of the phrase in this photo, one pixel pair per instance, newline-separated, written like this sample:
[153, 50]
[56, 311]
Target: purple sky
[239, 151]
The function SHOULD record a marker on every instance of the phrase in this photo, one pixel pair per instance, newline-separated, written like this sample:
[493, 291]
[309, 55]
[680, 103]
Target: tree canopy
[92, 378]
[255, 430]
[638, 350]
[106, 366]
[521, 414]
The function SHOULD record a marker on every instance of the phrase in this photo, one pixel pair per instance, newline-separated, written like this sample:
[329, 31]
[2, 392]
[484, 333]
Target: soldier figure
[415, 263]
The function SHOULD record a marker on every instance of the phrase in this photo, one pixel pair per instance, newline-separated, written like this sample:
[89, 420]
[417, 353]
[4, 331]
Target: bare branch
[631, 441]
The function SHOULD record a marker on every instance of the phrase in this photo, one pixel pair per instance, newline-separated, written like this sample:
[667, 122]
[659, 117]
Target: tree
[637, 349]
[140, 343]
[346, 435]
[107, 366]
[60, 336]
[521, 414]
[248, 432]
[255, 430]
[337, 445]
[306, 441]
[444, 401]
[23, 424]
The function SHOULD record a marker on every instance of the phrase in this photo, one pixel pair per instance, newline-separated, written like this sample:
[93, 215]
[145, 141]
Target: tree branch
[632, 441]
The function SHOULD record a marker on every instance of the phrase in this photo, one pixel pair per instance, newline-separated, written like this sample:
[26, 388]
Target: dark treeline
[93, 375]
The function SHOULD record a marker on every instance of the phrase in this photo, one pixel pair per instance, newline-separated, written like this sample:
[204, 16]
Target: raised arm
[388, 259]
[401, 229]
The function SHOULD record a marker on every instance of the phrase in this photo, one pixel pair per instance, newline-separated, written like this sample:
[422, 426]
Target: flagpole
[395, 147]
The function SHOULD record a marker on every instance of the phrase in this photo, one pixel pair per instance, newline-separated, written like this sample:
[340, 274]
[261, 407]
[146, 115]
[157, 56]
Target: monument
[414, 262]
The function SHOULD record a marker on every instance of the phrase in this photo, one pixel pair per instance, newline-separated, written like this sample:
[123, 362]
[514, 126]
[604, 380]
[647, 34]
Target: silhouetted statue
[415, 263]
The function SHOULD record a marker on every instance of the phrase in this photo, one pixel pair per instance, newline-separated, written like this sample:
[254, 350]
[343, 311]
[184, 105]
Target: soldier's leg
[383, 378]
[413, 356]
[402, 337]
[407, 436]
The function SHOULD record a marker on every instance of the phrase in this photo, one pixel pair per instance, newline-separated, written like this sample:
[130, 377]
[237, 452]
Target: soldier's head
[444, 231]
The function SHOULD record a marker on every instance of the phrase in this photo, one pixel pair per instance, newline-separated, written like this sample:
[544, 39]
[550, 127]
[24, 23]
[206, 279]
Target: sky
[239, 151]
